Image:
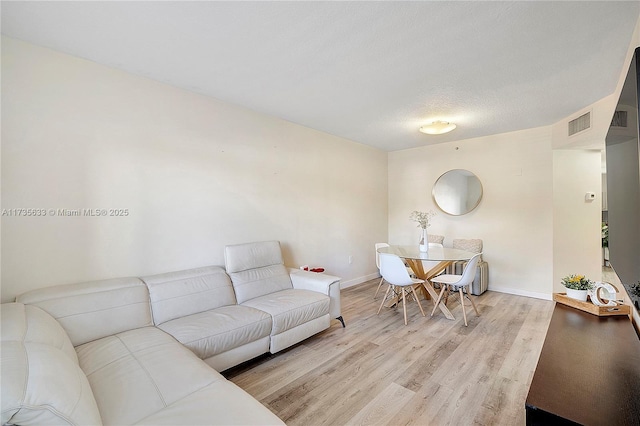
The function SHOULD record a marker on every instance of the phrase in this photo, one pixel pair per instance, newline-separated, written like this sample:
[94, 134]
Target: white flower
[422, 218]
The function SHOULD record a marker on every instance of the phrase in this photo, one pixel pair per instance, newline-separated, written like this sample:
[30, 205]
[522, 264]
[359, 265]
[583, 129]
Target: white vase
[577, 294]
[424, 241]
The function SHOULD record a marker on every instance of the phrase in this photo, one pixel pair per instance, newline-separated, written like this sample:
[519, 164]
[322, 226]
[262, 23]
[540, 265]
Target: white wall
[592, 138]
[601, 111]
[514, 218]
[577, 232]
[194, 173]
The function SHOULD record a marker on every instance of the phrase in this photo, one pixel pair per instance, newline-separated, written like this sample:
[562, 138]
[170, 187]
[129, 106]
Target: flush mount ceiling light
[437, 128]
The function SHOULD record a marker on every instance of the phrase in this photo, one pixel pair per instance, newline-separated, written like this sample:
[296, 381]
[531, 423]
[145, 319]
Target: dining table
[445, 256]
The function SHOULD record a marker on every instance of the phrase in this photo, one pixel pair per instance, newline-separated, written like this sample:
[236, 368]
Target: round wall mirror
[457, 192]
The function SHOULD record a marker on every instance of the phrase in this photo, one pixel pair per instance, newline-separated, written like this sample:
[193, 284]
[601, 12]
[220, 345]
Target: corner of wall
[601, 111]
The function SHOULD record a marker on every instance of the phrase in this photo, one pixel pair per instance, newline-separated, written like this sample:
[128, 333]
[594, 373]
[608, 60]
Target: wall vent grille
[579, 124]
[619, 119]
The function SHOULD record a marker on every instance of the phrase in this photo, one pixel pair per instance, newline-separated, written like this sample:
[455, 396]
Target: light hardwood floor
[433, 371]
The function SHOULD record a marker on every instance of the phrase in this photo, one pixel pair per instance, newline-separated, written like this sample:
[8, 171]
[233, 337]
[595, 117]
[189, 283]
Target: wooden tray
[601, 311]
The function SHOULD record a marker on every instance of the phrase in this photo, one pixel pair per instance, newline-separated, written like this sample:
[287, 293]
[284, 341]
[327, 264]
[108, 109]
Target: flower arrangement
[577, 282]
[635, 289]
[422, 218]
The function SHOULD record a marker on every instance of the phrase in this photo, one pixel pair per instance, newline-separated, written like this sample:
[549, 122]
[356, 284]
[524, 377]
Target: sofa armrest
[306, 280]
[322, 283]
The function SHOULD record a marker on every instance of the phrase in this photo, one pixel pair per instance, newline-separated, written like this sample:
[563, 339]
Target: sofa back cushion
[42, 382]
[178, 294]
[33, 325]
[256, 269]
[93, 310]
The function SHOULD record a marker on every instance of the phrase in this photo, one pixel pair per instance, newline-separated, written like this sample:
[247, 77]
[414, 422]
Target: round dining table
[443, 255]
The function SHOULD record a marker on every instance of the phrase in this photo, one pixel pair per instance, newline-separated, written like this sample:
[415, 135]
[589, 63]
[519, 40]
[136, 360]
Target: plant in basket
[577, 286]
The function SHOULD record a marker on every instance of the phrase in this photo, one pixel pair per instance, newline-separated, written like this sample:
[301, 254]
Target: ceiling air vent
[579, 124]
[619, 119]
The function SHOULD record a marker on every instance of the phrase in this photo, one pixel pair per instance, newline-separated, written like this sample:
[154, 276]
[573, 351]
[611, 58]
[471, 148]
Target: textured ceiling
[372, 72]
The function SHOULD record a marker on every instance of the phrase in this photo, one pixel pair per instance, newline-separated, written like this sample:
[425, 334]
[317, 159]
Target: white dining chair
[395, 273]
[379, 245]
[459, 284]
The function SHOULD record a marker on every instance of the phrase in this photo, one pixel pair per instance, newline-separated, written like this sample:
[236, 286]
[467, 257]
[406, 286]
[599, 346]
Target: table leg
[418, 270]
[447, 313]
[428, 290]
[416, 265]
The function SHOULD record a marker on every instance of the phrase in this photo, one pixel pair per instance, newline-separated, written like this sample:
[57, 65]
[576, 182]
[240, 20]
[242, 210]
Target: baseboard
[518, 292]
[359, 280]
[499, 289]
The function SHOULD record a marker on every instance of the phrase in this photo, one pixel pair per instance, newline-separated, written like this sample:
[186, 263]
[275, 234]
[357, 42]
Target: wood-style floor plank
[381, 409]
[434, 371]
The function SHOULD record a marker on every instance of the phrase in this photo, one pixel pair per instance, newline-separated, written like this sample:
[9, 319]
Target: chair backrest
[469, 272]
[437, 239]
[474, 245]
[379, 245]
[393, 270]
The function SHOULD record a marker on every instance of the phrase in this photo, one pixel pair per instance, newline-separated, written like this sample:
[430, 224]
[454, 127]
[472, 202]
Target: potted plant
[423, 219]
[577, 286]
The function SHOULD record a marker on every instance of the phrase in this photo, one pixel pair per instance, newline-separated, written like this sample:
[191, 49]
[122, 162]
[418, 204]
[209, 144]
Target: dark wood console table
[588, 372]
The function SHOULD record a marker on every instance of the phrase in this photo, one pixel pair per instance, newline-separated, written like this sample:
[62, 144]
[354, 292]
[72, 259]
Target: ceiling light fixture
[438, 128]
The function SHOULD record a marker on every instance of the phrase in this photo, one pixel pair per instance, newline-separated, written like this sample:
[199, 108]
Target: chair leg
[415, 296]
[464, 312]
[383, 299]
[443, 287]
[472, 303]
[404, 306]
[378, 289]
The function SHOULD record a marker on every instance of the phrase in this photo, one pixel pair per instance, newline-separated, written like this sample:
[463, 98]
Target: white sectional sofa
[131, 350]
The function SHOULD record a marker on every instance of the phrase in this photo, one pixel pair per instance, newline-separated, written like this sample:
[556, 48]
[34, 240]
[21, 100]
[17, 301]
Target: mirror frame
[467, 173]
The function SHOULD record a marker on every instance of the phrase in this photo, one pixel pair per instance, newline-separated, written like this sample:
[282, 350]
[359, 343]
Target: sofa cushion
[42, 382]
[241, 257]
[259, 282]
[33, 325]
[92, 310]
[178, 294]
[221, 402]
[139, 372]
[219, 330]
[256, 269]
[145, 376]
[290, 308]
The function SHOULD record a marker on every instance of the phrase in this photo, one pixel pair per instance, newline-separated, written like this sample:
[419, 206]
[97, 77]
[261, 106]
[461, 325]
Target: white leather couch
[131, 350]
